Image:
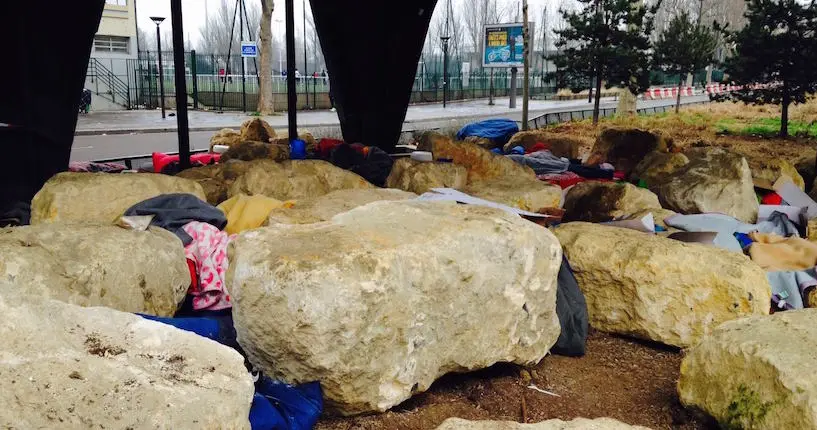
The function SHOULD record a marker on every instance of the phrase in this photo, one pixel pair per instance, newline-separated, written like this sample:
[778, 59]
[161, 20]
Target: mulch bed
[632, 381]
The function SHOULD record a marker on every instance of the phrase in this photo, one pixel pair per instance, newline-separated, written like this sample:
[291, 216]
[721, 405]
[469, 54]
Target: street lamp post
[158, 20]
[445, 68]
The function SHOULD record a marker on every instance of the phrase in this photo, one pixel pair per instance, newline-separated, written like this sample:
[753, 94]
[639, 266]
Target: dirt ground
[631, 381]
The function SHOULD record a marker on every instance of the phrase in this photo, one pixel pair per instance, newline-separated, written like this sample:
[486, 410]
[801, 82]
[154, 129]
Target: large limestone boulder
[756, 373]
[657, 166]
[216, 179]
[660, 289]
[325, 207]
[296, 179]
[97, 265]
[257, 130]
[715, 180]
[625, 148]
[225, 137]
[65, 366]
[482, 142]
[559, 145]
[766, 172]
[102, 197]
[481, 163]
[382, 300]
[418, 177]
[595, 201]
[249, 150]
[521, 192]
[576, 424]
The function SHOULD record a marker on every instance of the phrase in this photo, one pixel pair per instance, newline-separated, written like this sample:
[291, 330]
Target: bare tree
[265, 96]
[220, 34]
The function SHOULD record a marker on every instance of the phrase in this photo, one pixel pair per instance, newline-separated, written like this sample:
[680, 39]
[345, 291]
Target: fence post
[195, 78]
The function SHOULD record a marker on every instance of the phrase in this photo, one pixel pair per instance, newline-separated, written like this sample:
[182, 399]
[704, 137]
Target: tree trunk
[678, 102]
[598, 98]
[784, 119]
[265, 96]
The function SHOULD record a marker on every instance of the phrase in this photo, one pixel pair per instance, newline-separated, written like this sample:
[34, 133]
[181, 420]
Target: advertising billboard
[504, 45]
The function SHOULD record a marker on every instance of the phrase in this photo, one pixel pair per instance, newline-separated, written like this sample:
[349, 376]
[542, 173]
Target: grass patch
[765, 127]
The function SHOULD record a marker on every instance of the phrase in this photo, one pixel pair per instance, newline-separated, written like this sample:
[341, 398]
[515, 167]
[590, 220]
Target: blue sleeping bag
[499, 131]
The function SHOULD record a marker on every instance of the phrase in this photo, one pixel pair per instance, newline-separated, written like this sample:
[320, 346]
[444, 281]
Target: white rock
[64, 367]
[323, 208]
[102, 197]
[756, 373]
[97, 265]
[660, 289]
[382, 300]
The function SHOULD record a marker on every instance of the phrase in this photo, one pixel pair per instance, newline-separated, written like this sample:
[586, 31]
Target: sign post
[505, 48]
[249, 49]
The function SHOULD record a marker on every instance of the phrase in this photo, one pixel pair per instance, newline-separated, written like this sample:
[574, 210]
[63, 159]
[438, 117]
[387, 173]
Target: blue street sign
[249, 49]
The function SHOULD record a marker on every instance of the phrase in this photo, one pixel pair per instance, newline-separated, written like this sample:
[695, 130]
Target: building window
[112, 44]
[117, 2]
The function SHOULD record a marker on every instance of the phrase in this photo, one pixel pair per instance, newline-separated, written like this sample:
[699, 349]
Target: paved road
[125, 141]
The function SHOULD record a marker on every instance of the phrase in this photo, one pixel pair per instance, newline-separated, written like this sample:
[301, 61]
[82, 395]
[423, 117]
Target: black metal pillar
[194, 75]
[161, 71]
[243, 72]
[292, 96]
[181, 84]
[445, 70]
[306, 64]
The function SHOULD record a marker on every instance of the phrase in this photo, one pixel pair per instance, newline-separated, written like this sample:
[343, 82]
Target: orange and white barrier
[668, 93]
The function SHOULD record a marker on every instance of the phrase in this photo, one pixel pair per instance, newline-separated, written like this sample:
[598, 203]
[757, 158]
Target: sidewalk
[142, 121]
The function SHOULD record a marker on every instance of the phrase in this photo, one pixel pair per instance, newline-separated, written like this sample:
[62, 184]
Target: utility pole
[243, 59]
[306, 70]
[526, 68]
[445, 38]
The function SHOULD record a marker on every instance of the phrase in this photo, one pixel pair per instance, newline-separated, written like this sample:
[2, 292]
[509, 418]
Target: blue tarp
[499, 131]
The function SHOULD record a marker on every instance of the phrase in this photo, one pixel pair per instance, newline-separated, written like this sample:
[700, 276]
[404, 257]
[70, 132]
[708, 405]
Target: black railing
[114, 88]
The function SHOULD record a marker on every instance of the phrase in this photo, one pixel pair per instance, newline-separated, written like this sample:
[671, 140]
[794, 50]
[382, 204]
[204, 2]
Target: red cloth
[619, 175]
[538, 147]
[772, 198]
[161, 160]
[325, 147]
[564, 180]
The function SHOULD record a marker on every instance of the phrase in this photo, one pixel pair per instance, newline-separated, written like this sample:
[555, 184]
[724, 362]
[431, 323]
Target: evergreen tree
[607, 40]
[775, 55]
[684, 48]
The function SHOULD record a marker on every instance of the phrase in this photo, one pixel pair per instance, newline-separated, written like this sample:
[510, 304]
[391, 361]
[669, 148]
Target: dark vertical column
[292, 96]
[181, 83]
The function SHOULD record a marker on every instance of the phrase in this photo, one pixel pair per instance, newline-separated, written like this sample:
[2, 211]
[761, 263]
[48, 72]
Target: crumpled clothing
[248, 212]
[209, 252]
[174, 211]
[726, 227]
[791, 287]
[542, 162]
[777, 253]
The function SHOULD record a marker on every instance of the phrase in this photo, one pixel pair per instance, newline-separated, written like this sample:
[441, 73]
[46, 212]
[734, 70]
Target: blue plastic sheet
[499, 131]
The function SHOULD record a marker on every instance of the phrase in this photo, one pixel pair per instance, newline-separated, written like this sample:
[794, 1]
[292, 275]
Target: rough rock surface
[305, 135]
[90, 265]
[715, 180]
[372, 303]
[418, 177]
[625, 148]
[216, 179]
[766, 172]
[657, 166]
[482, 142]
[756, 373]
[660, 289]
[576, 424]
[102, 197]
[559, 145]
[249, 150]
[225, 137]
[257, 130]
[323, 208]
[658, 215]
[528, 194]
[65, 366]
[481, 163]
[296, 179]
[595, 201]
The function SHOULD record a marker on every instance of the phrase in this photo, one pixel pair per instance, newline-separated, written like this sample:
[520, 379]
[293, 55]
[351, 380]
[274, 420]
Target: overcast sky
[194, 12]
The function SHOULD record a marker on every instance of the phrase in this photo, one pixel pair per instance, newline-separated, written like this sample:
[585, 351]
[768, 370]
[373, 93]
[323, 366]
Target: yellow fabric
[248, 212]
[777, 253]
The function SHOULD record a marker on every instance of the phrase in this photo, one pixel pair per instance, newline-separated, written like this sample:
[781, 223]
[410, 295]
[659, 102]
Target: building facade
[114, 50]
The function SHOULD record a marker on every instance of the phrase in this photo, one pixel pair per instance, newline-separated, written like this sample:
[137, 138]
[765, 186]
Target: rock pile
[372, 303]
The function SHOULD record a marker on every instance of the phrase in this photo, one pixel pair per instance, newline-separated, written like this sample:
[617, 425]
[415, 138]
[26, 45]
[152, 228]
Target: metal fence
[215, 82]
